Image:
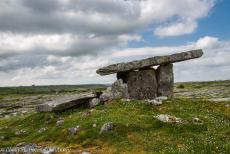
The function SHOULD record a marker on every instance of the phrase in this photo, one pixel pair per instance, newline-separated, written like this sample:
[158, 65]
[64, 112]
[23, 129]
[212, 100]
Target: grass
[135, 131]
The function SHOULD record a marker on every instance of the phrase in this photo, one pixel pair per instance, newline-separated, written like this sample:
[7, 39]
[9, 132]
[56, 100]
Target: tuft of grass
[181, 86]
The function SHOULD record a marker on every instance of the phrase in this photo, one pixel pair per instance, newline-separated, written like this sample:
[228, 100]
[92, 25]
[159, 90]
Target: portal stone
[118, 90]
[165, 80]
[142, 84]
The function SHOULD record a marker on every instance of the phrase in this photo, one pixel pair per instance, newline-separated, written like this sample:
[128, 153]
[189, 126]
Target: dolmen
[135, 80]
[140, 80]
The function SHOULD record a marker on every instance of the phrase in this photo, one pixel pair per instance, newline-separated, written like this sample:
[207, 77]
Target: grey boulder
[118, 90]
[94, 102]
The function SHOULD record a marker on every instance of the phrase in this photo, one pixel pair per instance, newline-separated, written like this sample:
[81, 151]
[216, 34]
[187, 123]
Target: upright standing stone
[142, 84]
[165, 80]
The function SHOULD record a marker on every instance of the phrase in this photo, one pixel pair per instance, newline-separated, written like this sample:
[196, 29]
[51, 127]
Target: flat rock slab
[65, 102]
[153, 61]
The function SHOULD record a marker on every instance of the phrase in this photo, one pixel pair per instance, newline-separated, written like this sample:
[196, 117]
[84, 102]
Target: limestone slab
[65, 102]
[146, 63]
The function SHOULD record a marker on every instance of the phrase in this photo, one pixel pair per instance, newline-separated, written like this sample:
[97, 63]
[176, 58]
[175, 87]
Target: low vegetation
[135, 128]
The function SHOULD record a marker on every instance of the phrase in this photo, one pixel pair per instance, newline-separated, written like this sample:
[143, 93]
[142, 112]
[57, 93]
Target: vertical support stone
[142, 84]
[165, 80]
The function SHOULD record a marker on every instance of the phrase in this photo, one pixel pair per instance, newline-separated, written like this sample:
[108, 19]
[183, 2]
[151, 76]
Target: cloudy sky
[64, 41]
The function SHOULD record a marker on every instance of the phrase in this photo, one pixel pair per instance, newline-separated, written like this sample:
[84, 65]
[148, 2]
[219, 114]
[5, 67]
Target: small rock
[162, 98]
[197, 121]
[94, 102]
[21, 144]
[169, 119]
[94, 125]
[154, 102]
[60, 122]
[49, 151]
[106, 127]
[86, 114]
[85, 152]
[20, 132]
[92, 110]
[73, 130]
[6, 116]
[42, 130]
[14, 114]
[23, 112]
[125, 100]
[157, 100]
[30, 148]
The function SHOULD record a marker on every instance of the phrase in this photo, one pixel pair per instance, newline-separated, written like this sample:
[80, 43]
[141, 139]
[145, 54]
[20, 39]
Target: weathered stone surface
[142, 84]
[165, 80]
[106, 127]
[60, 122]
[153, 61]
[65, 102]
[157, 101]
[72, 131]
[118, 90]
[106, 95]
[94, 102]
[170, 119]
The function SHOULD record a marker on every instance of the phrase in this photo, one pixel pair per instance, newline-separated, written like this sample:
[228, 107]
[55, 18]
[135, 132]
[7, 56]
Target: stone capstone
[165, 80]
[146, 63]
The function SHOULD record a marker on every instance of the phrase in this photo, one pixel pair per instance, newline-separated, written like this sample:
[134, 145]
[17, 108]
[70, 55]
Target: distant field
[205, 90]
[136, 130]
[52, 89]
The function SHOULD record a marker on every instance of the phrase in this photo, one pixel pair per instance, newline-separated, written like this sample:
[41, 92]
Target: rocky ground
[196, 120]
[216, 90]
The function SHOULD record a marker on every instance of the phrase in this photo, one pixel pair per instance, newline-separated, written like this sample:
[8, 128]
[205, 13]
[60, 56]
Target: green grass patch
[135, 131]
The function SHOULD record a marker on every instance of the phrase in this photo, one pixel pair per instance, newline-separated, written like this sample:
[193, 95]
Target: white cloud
[24, 43]
[65, 41]
[207, 42]
[176, 29]
[213, 65]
